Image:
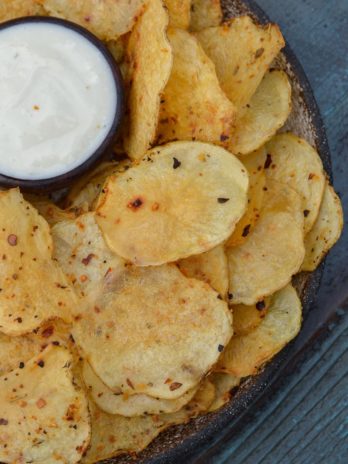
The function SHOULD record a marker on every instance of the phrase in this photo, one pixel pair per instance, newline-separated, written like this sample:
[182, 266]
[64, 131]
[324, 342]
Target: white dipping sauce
[57, 100]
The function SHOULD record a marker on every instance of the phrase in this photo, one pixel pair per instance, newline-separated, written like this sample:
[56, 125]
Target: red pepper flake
[223, 200]
[176, 163]
[246, 230]
[129, 383]
[88, 259]
[41, 363]
[48, 331]
[311, 175]
[155, 207]
[260, 305]
[135, 204]
[268, 161]
[12, 239]
[306, 212]
[3, 421]
[41, 403]
[221, 348]
[168, 381]
[223, 137]
[259, 52]
[83, 278]
[174, 386]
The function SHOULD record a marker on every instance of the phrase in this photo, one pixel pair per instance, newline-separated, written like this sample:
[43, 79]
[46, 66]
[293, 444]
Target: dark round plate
[185, 443]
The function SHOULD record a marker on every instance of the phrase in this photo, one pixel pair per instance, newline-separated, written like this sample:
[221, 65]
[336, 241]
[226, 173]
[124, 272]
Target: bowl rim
[227, 419]
[62, 180]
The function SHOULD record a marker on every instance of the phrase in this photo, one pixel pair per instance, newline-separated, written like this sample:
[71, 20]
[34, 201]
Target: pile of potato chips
[164, 277]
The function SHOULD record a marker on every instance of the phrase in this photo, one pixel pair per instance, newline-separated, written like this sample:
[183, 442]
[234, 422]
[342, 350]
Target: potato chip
[154, 310]
[51, 212]
[16, 351]
[223, 383]
[211, 267]
[81, 251]
[293, 161]
[182, 199]
[247, 318]
[246, 353]
[273, 251]
[129, 405]
[43, 416]
[193, 106]
[34, 288]
[254, 163]
[11, 9]
[118, 47]
[107, 19]
[205, 13]
[111, 433]
[179, 13]
[150, 60]
[266, 112]
[84, 193]
[326, 230]
[242, 51]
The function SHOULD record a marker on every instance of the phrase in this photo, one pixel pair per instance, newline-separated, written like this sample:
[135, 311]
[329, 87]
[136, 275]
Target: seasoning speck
[12, 239]
[174, 386]
[260, 305]
[3, 421]
[306, 212]
[268, 161]
[176, 163]
[41, 363]
[246, 230]
[221, 348]
[223, 200]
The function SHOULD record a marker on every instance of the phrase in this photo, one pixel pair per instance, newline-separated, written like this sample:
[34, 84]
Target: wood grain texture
[306, 421]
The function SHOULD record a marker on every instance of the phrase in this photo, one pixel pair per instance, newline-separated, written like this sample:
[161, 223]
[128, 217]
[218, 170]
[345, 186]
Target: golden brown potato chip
[16, 351]
[326, 230]
[182, 199]
[179, 13]
[246, 353]
[266, 112]
[129, 405]
[43, 416]
[273, 251]
[205, 13]
[223, 384]
[81, 251]
[211, 267]
[242, 51]
[254, 163]
[51, 212]
[150, 60]
[107, 19]
[129, 334]
[34, 289]
[293, 161]
[83, 194]
[247, 318]
[11, 9]
[118, 47]
[111, 433]
[193, 106]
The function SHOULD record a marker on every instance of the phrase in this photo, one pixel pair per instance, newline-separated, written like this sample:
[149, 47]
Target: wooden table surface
[306, 420]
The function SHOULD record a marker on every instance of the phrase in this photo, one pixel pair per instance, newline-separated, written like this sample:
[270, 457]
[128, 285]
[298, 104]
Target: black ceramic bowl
[63, 180]
[198, 440]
